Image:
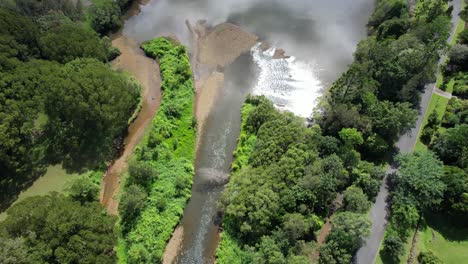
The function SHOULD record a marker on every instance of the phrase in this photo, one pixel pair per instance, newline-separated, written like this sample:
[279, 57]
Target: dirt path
[326, 228]
[146, 72]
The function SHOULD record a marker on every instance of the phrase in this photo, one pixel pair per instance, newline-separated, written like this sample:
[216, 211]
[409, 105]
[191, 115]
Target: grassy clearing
[438, 104]
[448, 241]
[169, 147]
[55, 179]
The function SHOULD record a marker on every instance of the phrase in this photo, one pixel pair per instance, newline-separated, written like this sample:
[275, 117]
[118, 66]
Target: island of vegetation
[160, 177]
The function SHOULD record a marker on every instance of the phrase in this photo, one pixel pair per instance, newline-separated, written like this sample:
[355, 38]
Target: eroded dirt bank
[146, 72]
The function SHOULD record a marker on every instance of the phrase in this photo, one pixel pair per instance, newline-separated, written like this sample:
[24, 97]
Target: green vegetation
[379, 92]
[57, 229]
[160, 178]
[445, 238]
[285, 178]
[72, 110]
[436, 106]
[104, 16]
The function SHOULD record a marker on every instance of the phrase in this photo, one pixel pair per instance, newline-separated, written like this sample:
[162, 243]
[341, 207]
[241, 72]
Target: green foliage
[355, 200]
[456, 194]
[34, 8]
[458, 56]
[345, 238]
[351, 136]
[141, 173]
[85, 118]
[57, 229]
[386, 10]
[104, 16]
[22, 29]
[172, 163]
[284, 177]
[131, 203]
[71, 41]
[451, 146]
[420, 179]
[379, 91]
[394, 247]
[428, 257]
[13, 251]
[84, 190]
[53, 19]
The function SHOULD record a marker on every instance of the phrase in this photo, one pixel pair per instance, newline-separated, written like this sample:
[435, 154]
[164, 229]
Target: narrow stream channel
[320, 34]
[213, 163]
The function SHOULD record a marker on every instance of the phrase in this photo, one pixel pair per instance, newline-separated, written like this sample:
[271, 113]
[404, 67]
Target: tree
[394, 247]
[71, 41]
[57, 229]
[420, 179]
[53, 19]
[347, 235]
[85, 118]
[452, 147]
[35, 8]
[14, 251]
[84, 190]
[105, 16]
[458, 55]
[355, 200]
[456, 194]
[21, 28]
[131, 203]
[428, 257]
[351, 137]
[141, 173]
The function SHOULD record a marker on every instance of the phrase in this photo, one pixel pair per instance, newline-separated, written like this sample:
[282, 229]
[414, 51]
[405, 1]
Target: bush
[131, 203]
[84, 190]
[428, 257]
[141, 173]
[355, 200]
[71, 41]
[393, 247]
[104, 16]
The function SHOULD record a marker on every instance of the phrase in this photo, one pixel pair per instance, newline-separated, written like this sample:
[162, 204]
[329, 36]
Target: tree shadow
[452, 228]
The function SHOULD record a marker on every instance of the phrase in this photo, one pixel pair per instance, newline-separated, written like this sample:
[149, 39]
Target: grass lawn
[54, 180]
[442, 236]
[437, 103]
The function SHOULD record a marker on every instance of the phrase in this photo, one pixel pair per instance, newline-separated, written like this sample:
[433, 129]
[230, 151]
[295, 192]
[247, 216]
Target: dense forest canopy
[58, 101]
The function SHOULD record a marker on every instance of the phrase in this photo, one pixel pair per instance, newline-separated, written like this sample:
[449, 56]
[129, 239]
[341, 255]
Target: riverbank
[169, 148]
[144, 69]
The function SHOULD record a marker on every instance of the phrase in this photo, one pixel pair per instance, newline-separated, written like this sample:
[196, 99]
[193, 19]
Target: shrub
[104, 16]
[84, 190]
[428, 257]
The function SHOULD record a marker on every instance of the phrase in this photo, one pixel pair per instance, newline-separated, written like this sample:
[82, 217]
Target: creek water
[321, 35]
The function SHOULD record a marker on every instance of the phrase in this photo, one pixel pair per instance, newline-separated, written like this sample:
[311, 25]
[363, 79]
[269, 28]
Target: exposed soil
[173, 246]
[146, 72]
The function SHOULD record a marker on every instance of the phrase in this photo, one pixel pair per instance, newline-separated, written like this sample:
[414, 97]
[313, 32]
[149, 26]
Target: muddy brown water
[321, 34]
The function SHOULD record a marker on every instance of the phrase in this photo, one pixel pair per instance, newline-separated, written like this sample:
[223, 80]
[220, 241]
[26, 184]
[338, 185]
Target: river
[320, 36]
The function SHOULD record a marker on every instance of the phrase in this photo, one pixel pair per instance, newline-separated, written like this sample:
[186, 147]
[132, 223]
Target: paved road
[368, 253]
